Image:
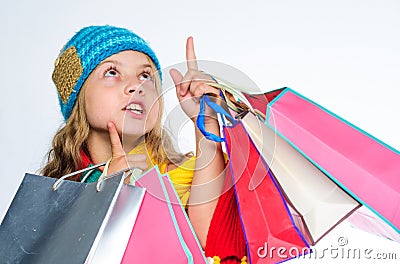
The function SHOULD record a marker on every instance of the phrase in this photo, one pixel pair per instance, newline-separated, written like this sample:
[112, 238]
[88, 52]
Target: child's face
[122, 89]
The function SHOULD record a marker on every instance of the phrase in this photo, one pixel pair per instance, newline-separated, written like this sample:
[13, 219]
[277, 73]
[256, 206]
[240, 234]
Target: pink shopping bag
[162, 233]
[365, 167]
[183, 222]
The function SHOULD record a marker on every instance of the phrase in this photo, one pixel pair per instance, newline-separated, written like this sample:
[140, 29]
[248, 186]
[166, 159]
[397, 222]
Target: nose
[134, 88]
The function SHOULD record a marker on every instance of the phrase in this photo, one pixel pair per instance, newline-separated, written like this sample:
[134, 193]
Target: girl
[109, 84]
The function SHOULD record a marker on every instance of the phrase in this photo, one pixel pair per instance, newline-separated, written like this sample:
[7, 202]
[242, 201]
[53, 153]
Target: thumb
[177, 78]
[116, 145]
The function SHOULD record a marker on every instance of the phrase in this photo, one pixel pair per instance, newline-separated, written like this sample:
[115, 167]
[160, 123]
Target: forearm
[207, 181]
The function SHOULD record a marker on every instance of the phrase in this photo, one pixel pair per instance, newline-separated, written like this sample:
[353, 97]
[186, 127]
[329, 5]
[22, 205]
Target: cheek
[90, 108]
[153, 116]
[98, 108]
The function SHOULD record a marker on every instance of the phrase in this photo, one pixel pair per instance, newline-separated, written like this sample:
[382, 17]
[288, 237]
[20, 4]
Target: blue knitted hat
[84, 51]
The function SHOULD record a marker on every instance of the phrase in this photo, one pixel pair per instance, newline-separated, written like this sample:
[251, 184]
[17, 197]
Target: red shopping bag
[267, 223]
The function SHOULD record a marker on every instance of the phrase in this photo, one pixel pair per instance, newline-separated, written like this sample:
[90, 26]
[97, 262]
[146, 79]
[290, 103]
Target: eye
[111, 72]
[146, 76]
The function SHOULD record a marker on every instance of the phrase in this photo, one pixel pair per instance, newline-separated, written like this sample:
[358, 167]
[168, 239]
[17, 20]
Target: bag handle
[61, 179]
[234, 96]
[133, 172]
[200, 121]
[235, 100]
[233, 93]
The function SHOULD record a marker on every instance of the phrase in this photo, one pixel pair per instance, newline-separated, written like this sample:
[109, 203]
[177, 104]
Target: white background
[342, 54]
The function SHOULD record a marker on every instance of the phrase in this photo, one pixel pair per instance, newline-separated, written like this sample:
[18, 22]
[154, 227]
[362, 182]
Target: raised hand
[207, 183]
[191, 86]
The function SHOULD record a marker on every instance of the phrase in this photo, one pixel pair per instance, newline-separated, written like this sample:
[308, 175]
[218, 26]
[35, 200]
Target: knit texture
[84, 51]
[225, 238]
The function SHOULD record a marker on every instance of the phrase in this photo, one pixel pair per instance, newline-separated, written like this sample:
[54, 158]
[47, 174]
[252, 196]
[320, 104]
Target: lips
[136, 108]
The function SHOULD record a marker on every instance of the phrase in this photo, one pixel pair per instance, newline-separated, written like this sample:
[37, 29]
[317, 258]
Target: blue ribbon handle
[200, 118]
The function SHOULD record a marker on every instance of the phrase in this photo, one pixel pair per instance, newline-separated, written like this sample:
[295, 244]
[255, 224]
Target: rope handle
[134, 173]
[57, 184]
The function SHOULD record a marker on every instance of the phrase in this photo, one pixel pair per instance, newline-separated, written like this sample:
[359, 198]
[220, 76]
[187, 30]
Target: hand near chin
[119, 160]
[192, 86]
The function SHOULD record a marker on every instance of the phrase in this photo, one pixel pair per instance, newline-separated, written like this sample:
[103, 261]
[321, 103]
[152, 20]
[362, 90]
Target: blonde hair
[64, 156]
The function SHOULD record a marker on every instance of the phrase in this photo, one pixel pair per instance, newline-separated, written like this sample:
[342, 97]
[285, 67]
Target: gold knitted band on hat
[68, 69]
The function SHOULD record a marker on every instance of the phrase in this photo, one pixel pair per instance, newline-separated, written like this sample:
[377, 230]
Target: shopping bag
[315, 202]
[318, 203]
[266, 219]
[365, 167]
[64, 225]
[339, 149]
[183, 222]
[115, 237]
[162, 233]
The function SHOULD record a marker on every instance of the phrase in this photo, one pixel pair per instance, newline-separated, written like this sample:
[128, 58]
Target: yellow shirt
[181, 176]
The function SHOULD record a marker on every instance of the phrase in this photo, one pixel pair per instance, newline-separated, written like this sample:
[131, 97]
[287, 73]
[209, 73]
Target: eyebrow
[110, 61]
[144, 65]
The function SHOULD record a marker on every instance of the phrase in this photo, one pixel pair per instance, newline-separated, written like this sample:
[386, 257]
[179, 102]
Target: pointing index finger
[190, 55]
[116, 146]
